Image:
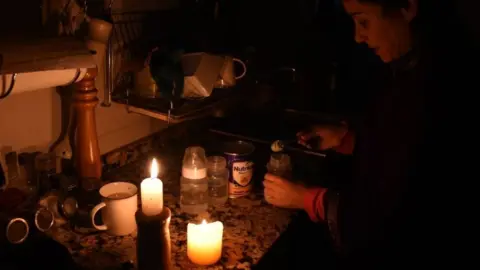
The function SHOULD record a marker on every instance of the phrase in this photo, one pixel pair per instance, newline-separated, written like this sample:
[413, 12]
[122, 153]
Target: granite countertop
[250, 228]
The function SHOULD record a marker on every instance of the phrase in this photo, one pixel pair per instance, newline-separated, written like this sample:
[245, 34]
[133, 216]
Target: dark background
[314, 37]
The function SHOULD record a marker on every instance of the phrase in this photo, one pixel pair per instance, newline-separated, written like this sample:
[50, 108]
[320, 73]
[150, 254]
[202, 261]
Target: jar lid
[44, 219]
[17, 230]
[216, 162]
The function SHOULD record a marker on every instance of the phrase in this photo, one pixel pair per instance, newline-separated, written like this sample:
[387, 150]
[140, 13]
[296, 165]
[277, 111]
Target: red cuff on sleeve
[313, 204]
[348, 144]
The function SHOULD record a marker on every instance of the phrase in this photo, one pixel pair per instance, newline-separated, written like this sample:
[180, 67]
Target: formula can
[240, 165]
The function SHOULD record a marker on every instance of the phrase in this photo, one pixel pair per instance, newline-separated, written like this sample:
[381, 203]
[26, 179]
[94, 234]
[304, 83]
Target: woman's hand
[329, 136]
[283, 193]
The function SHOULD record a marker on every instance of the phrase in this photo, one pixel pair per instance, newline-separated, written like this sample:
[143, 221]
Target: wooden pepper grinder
[153, 241]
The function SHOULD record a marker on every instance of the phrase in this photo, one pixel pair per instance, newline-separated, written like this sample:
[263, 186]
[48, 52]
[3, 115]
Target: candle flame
[154, 169]
[204, 222]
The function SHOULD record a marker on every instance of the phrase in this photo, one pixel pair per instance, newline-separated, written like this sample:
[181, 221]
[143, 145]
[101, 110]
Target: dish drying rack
[126, 31]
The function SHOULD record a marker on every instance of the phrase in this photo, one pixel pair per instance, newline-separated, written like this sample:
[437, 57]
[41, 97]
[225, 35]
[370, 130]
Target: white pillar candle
[152, 192]
[204, 242]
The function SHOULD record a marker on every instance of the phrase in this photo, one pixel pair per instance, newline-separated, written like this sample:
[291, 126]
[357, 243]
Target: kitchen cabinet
[20, 18]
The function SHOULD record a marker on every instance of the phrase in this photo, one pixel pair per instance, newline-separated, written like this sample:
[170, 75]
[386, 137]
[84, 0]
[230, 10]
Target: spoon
[279, 146]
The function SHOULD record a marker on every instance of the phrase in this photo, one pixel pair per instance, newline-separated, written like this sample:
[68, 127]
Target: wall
[469, 13]
[33, 121]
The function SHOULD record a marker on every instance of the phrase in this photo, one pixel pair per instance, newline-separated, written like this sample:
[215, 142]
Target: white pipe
[30, 81]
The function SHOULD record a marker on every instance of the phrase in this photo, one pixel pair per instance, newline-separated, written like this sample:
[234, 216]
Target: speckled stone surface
[250, 226]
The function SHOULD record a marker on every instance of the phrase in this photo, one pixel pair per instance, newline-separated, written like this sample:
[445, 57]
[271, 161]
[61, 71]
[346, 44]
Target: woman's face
[387, 33]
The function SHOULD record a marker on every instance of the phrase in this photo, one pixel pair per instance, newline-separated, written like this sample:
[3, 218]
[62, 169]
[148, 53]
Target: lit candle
[152, 192]
[204, 242]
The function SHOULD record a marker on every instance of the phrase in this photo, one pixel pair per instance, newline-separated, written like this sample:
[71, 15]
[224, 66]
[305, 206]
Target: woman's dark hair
[429, 11]
[388, 4]
[436, 19]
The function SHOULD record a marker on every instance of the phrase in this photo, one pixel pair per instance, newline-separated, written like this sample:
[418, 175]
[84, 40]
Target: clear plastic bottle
[194, 181]
[280, 165]
[217, 180]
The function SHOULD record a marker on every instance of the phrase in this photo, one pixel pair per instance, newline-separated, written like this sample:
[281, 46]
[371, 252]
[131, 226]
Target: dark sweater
[392, 211]
[378, 209]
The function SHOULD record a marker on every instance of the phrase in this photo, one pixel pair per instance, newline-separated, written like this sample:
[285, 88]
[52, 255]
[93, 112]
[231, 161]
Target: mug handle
[92, 215]
[244, 68]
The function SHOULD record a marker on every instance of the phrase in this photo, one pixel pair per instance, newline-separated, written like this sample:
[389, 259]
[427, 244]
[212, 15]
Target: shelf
[41, 54]
[184, 109]
[164, 116]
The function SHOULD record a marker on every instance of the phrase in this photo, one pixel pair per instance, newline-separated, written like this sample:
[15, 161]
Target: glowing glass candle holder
[204, 242]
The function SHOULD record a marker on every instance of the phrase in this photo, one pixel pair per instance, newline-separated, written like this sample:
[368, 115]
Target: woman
[381, 215]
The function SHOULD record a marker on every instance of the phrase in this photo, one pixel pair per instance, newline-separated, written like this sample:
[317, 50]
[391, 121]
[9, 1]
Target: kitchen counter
[251, 227]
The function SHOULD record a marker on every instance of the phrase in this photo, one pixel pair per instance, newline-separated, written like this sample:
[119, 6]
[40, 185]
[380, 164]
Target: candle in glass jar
[152, 192]
[204, 242]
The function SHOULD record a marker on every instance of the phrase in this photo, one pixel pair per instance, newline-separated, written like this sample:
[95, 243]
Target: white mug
[120, 202]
